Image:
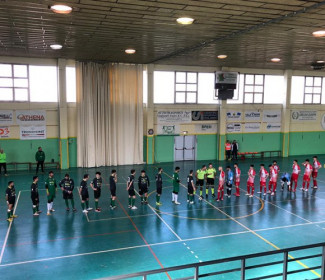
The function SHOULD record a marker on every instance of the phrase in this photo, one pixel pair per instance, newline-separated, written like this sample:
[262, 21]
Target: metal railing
[284, 272]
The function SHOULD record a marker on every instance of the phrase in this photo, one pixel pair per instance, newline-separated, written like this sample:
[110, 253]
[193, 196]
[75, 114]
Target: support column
[63, 115]
[222, 130]
[150, 139]
[286, 114]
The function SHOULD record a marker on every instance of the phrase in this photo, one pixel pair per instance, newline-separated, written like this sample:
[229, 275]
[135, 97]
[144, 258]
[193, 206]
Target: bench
[271, 153]
[261, 154]
[30, 165]
[15, 164]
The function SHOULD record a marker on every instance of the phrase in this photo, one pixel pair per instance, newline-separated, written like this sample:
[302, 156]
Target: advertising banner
[234, 116]
[303, 115]
[273, 126]
[204, 115]
[31, 117]
[174, 117]
[4, 132]
[206, 128]
[168, 129]
[32, 132]
[272, 116]
[252, 127]
[6, 117]
[234, 127]
[252, 115]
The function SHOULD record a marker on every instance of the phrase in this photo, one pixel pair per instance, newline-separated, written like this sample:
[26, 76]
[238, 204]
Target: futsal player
[83, 192]
[190, 187]
[210, 177]
[263, 176]
[285, 179]
[176, 182]
[294, 176]
[96, 185]
[316, 166]
[35, 196]
[237, 179]
[51, 188]
[112, 188]
[273, 179]
[11, 199]
[159, 183]
[222, 178]
[131, 191]
[143, 184]
[307, 175]
[229, 181]
[250, 181]
[67, 187]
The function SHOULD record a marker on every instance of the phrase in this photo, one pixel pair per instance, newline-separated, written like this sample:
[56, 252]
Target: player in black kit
[35, 196]
[96, 185]
[67, 187]
[112, 187]
[159, 183]
[143, 183]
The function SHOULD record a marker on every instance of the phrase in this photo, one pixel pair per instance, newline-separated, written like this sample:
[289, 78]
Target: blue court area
[69, 245]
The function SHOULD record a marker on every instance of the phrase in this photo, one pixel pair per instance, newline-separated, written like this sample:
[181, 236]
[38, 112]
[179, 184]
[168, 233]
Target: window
[186, 87]
[239, 91]
[14, 82]
[164, 87]
[313, 90]
[71, 84]
[253, 88]
[206, 91]
[274, 91]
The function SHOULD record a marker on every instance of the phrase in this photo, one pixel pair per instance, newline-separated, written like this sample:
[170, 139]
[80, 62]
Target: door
[179, 148]
[185, 146]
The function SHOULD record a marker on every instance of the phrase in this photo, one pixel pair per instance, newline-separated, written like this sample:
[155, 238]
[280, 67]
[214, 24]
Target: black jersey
[143, 182]
[34, 190]
[158, 180]
[131, 182]
[112, 183]
[97, 183]
[67, 185]
[84, 187]
[11, 193]
[190, 181]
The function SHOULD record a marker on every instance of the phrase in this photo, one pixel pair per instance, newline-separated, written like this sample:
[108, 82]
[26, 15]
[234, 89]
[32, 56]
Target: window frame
[12, 77]
[312, 87]
[253, 85]
[186, 83]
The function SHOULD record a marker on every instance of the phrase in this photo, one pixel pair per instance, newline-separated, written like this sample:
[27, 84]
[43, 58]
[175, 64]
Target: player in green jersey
[176, 182]
[51, 188]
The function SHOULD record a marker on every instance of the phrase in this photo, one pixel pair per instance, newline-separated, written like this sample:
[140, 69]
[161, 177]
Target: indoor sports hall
[198, 96]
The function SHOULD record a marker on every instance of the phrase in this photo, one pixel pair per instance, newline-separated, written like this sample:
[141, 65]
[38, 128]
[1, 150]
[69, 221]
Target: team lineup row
[204, 176]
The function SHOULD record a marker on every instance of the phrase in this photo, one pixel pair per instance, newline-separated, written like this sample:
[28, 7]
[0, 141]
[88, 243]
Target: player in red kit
[294, 176]
[237, 179]
[222, 178]
[263, 176]
[307, 175]
[316, 166]
[277, 172]
[273, 179]
[250, 181]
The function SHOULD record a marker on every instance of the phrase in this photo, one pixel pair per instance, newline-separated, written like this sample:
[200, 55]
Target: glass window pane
[21, 83]
[317, 81]
[192, 77]
[316, 99]
[309, 81]
[191, 97]
[6, 82]
[249, 79]
[317, 90]
[274, 91]
[43, 83]
[180, 97]
[308, 90]
[71, 84]
[191, 87]
[21, 94]
[164, 87]
[6, 94]
[180, 87]
[258, 89]
[249, 88]
[238, 93]
[5, 70]
[308, 98]
[259, 80]
[20, 71]
[258, 98]
[206, 91]
[180, 77]
[248, 98]
[297, 90]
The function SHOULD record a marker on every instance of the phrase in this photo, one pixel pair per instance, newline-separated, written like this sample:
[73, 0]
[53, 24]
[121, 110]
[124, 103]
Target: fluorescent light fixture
[275, 59]
[130, 51]
[61, 9]
[319, 33]
[222, 56]
[320, 61]
[185, 20]
[56, 47]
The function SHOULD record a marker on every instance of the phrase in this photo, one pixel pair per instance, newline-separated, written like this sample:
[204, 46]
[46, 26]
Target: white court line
[120, 218]
[8, 231]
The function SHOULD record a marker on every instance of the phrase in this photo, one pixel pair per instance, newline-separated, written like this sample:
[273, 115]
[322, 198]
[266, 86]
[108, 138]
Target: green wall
[72, 151]
[207, 146]
[306, 143]
[164, 148]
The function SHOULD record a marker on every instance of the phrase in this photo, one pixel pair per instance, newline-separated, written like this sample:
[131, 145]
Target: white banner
[168, 129]
[323, 121]
[31, 117]
[4, 132]
[272, 116]
[273, 127]
[6, 117]
[252, 115]
[234, 116]
[206, 128]
[303, 115]
[234, 127]
[252, 127]
[32, 132]
[174, 117]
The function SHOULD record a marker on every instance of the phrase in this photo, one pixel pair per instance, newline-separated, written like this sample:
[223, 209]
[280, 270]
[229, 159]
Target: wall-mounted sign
[168, 129]
[252, 127]
[303, 115]
[174, 117]
[150, 131]
[6, 117]
[31, 117]
[4, 132]
[234, 127]
[32, 132]
[252, 115]
[206, 128]
[204, 115]
[234, 115]
[272, 116]
[273, 126]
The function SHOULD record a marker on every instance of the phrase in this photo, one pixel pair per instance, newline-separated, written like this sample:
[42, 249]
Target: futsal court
[113, 242]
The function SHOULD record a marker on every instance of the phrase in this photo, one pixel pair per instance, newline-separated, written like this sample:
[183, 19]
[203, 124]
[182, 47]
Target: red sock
[247, 188]
[253, 189]
[303, 184]
[218, 195]
[270, 185]
[296, 184]
[308, 185]
[261, 188]
[222, 192]
[315, 183]
[265, 189]
[274, 187]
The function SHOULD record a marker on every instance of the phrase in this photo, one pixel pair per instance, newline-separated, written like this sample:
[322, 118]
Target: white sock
[51, 205]
[176, 197]
[173, 197]
[48, 207]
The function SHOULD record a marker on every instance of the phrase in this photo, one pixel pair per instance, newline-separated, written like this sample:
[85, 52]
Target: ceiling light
[319, 33]
[185, 20]
[61, 9]
[320, 61]
[56, 47]
[130, 51]
[222, 56]
[275, 59]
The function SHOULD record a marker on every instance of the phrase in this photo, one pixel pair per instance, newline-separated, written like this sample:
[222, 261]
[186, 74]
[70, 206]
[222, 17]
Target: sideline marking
[8, 231]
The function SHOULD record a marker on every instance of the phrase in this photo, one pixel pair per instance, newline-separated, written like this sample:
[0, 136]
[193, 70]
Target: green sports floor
[113, 242]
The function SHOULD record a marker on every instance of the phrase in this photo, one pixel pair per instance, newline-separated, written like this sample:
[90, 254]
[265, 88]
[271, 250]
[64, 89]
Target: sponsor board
[234, 115]
[174, 117]
[252, 127]
[206, 128]
[6, 117]
[168, 129]
[323, 121]
[234, 127]
[226, 77]
[272, 116]
[4, 132]
[273, 126]
[204, 115]
[32, 132]
[303, 115]
[31, 117]
[252, 116]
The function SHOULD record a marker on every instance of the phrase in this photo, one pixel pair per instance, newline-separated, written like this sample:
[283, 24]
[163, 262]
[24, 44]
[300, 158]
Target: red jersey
[273, 175]
[295, 169]
[263, 175]
[221, 178]
[308, 169]
[251, 176]
[276, 169]
[237, 175]
[316, 166]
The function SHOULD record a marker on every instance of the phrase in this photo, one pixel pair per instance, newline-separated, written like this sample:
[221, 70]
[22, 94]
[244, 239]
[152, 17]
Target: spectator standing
[234, 149]
[40, 158]
[3, 162]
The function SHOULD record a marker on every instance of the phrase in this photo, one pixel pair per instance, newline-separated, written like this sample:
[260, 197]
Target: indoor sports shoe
[177, 203]
[302, 189]
[68, 209]
[250, 195]
[89, 209]
[74, 210]
[315, 187]
[97, 210]
[272, 193]
[213, 196]
[259, 192]
[36, 214]
[52, 210]
[201, 197]
[192, 202]
[206, 197]
[10, 220]
[134, 208]
[48, 214]
[85, 211]
[129, 206]
[247, 194]
[13, 216]
[264, 193]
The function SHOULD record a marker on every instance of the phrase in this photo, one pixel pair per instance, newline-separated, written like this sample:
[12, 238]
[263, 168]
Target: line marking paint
[8, 231]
